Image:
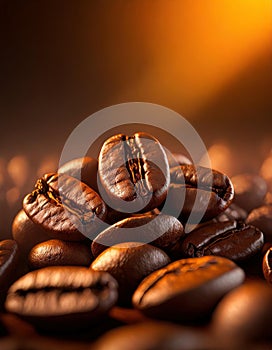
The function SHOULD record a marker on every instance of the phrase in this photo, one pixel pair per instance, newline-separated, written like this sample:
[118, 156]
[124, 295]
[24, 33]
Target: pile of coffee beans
[138, 249]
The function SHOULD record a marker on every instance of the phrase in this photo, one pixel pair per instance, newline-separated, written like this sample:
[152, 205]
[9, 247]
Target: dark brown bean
[188, 289]
[262, 218]
[62, 298]
[267, 266]
[129, 263]
[230, 239]
[59, 253]
[162, 231]
[134, 172]
[65, 207]
[233, 212]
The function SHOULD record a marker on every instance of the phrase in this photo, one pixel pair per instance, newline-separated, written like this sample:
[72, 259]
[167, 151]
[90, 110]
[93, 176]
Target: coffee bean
[262, 218]
[134, 172]
[250, 190]
[129, 263]
[59, 253]
[233, 212]
[175, 159]
[230, 239]
[9, 269]
[214, 189]
[162, 231]
[65, 207]
[187, 290]
[83, 169]
[244, 314]
[62, 298]
[26, 233]
[267, 265]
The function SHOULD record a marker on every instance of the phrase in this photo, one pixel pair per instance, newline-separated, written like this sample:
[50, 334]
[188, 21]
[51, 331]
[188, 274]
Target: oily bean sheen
[59, 253]
[230, 239]
[162, 231]
[214, 190]
[134, 172]
[267, 265]
[262, 218]
[62, 298]
[65, 207]
[129, 263]
[188, 289]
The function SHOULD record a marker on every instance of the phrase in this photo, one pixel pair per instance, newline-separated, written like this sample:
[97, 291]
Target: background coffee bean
[65, 207]
[129, 263]
[187, 290]
[267, 265]
[214, 188]
[62, 298]
[162, 231]
[262, 218]
[59, 253]
[233, 212]
[134, 172]
[230, 239]
[244, 314]
[250, 190]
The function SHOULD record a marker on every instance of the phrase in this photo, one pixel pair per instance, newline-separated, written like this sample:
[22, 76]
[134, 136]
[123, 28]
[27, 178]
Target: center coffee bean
[62, 298]
[230, 239]
[65, 207]
[214, 189]
[134, 172]
[188, 289]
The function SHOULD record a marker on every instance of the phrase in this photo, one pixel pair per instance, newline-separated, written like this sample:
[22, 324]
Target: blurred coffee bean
[268, 199]
[65, 207]
[83, 169]
[233, 212]
[187, 290]
[129, 263]
[197, 192]
[26, 233]
[62, 298]
[230, 239]
[162, 231]
[134, 172]
[59, 253]
[267, 266]
[244, 314]
[19, 170]
[250, 190]
[262, 218]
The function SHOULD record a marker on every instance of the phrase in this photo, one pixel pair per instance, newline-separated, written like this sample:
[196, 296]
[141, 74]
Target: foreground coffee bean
[129, 263]
[134, 172]
[187, 290]
[230, 239]
[267, 266]
[62, 298]
[244, 314]
[262, 218]
[162, 231]
[65, 207]
[214, 189]
[9, 271]
[83, 169]
[250, 190]
[59, 253]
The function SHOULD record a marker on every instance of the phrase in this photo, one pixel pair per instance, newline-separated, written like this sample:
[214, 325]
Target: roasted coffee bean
[113, 216]
[65, 207]
[214, 189]
[9, 269]
[62, 298]
[233, 212]
[83, 169]
[175, 159]
[230, 239]
[134, 172]
[262, 218]
[187, 290]
[26, 233]
[250, 190]
[162, 231]
[267, 265]
[59, 253]
[244, 314]
[129, 263]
